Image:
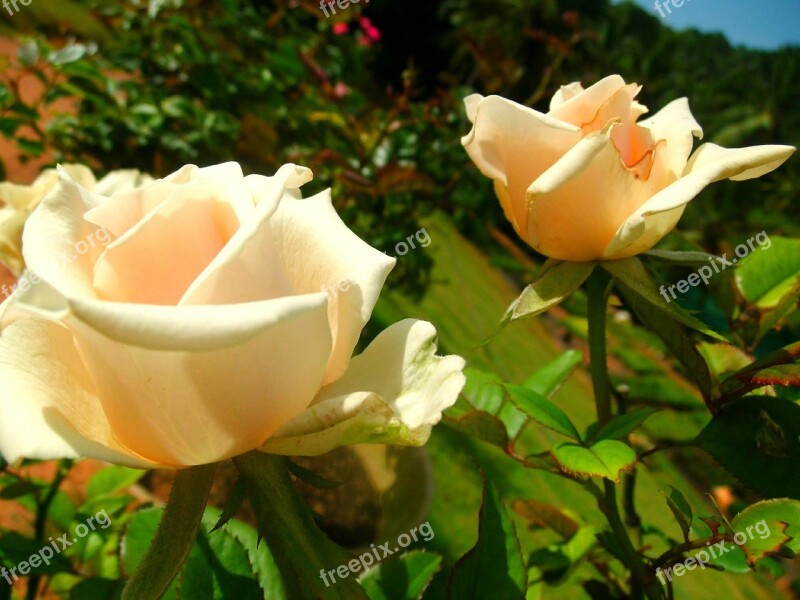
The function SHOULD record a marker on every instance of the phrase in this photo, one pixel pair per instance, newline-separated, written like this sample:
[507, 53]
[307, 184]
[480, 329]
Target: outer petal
[47, 404]
[512, 145]
[574, 218]
[54, 230]
[27, 197]
[393, 393]
[163, 374]
[675, 125]
[318, 251]
[655, 218]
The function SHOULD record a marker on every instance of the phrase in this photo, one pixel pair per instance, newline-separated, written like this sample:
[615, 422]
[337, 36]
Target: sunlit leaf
[558, 280]
[606, 458]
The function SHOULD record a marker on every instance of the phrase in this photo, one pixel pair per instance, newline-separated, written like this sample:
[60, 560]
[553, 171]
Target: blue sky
[755, 23]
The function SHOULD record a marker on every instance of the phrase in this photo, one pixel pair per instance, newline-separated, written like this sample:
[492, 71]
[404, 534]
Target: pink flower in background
[341, 90]
[373, 33]
[340, 28]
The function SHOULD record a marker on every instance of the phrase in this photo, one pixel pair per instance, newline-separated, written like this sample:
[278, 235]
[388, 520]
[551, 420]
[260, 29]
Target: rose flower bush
[588, 180]
[200, 332]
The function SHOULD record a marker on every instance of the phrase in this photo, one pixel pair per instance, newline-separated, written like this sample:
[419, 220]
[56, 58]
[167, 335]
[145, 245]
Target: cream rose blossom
[200, 333]
[589, 180]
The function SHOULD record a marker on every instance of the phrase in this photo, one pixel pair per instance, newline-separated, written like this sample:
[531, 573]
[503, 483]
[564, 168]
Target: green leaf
[672, 334]
[555, 562]
[218, 568]
[557, 280]
[403, 578]
[29, 146]
[603, 459]
[19, 488]
[769, 527]
[777, 368]
[757, 440]
[224, 565]
[681, 510]
[112, 479]
[549, 378]
[689, 259]
[175, 536]
[261, 560]
[487, 392]
[541, 410]
[15, 548]
[67, 54]
[620, 426]
[766, 277]
[631, 276]
[478, 424]
[494, 567]
[723, 359]
[784, 375]
[8, 127]
[774, 317]
[732, 559]
[545, 515]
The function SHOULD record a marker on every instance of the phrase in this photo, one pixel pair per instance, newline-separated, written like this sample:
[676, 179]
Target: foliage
[523, 469]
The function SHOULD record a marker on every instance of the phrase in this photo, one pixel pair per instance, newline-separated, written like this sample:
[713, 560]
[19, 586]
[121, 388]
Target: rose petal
[172, 245]
[47, 407]
[163, 374]
[562, 223]
[122, 180]
[318, 251]
[126, 208]
[130, 204]
[249, 267]
[54, 231]
[675, 125]
[12, 222]
[190, 328]
[582, 108]
[710, 163]
[564, 93]
[393, 393]
[294, 246]
[27, 197]
[513, 145]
